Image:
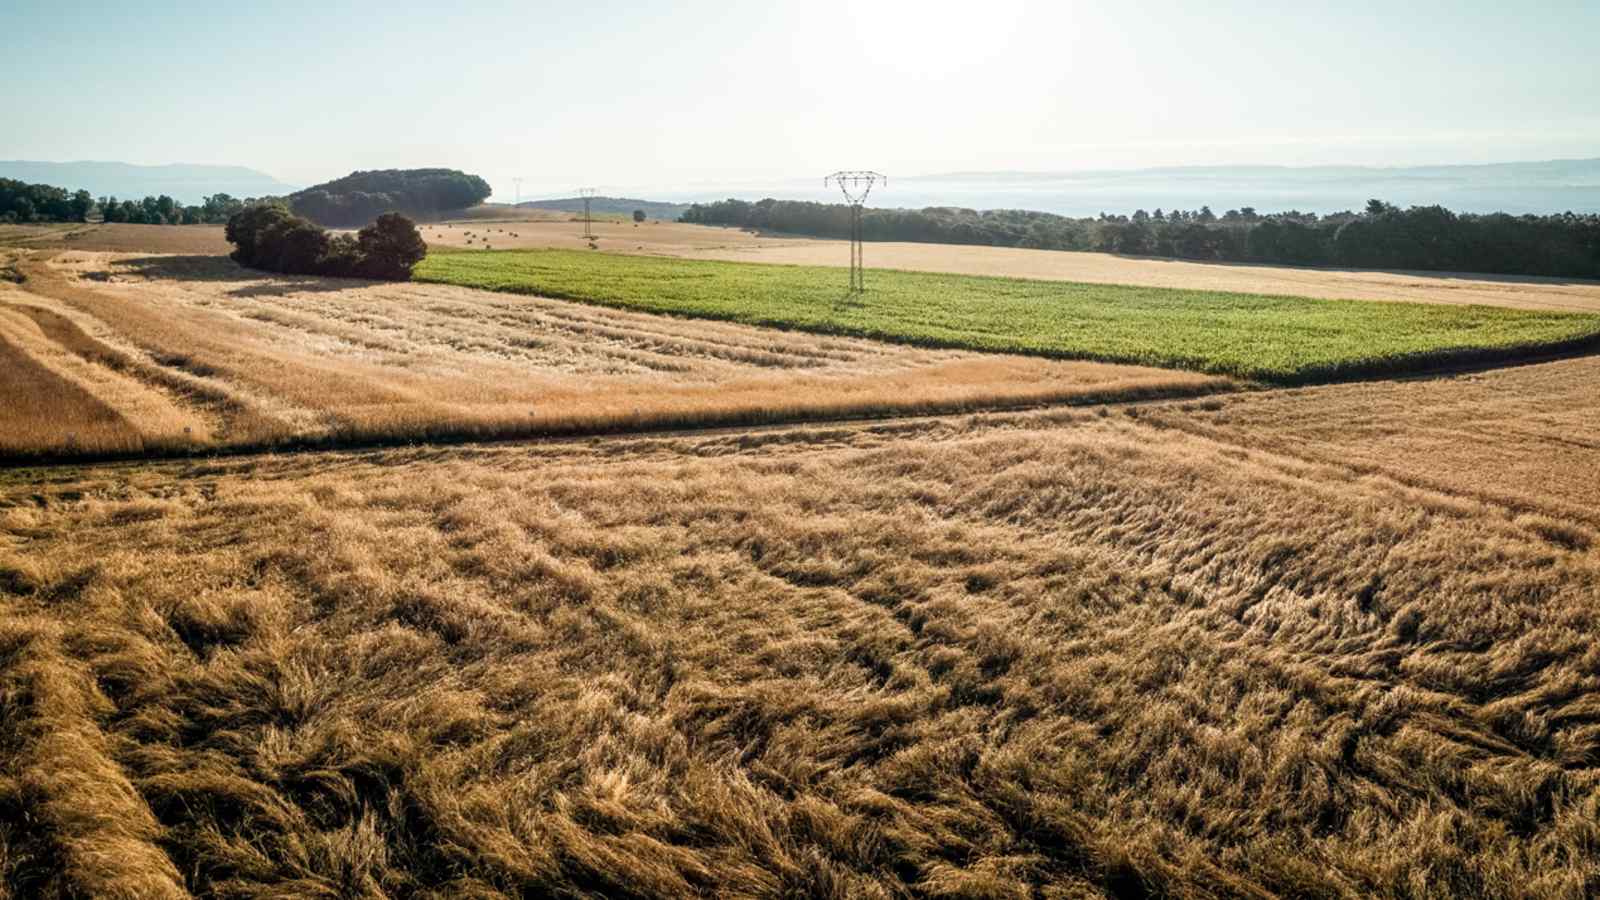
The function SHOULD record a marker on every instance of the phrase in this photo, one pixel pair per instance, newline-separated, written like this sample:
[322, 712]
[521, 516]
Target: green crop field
[1277, 339]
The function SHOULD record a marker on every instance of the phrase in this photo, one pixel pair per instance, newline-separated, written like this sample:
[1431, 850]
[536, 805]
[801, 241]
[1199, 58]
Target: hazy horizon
[650, 93]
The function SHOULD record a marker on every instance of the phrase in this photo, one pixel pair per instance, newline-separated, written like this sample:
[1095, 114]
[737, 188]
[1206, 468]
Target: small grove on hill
[22, 202]
[360, 196]
[1381, 236]
[268, 236]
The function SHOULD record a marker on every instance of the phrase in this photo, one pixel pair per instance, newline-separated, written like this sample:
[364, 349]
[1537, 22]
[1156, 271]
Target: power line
[856, 186]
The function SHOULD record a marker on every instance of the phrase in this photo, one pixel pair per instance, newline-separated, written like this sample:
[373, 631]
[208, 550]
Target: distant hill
[652, 208]
[359, 197]
[183, 182]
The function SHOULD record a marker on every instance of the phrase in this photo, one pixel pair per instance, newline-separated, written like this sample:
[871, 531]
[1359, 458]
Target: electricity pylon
[856, 185]
[588, 221]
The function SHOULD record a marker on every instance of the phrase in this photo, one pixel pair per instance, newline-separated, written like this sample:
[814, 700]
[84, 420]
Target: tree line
[347, 202]
[360, 196]
[1381, 236]
[21, 203]
[269, 236]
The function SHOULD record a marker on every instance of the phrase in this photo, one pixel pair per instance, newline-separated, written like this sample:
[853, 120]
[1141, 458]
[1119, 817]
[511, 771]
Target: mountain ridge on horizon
[184, 182]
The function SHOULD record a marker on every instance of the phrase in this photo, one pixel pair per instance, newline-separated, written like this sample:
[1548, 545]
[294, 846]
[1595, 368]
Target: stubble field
[163, 354]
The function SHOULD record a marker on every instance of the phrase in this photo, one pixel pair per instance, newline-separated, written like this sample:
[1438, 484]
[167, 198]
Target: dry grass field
[119, 237]
[126, 354]
[1209, 648]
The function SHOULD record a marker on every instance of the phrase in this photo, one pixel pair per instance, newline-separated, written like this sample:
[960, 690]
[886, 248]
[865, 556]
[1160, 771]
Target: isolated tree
[638, 216]
[390, 247]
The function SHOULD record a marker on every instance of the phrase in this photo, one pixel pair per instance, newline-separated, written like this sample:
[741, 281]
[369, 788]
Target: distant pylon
[856, 185]
[588, 220]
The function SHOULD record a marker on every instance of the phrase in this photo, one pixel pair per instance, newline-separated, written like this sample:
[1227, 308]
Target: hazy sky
[656, 93]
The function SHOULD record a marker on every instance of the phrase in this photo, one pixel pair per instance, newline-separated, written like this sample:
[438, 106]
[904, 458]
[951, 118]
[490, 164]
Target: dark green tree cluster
[935, 224]
[359, 196]
[163, 210]
[269, 236]
[21, 202]
[1380, 236]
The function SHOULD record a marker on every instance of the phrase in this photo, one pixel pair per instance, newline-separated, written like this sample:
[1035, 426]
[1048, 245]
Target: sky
[694, 93]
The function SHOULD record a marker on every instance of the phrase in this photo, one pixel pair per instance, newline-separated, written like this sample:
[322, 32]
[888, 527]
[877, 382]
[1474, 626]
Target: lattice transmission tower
[587, 194]
[856, 185]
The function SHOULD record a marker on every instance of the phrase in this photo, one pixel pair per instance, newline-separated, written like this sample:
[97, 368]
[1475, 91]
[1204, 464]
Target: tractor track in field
[623, 432]
[607, 434]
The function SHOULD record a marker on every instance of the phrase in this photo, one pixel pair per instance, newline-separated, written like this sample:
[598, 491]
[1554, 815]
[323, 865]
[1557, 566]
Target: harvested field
[704, 242]
[1181, 651]
[164, 353]
[118, 237]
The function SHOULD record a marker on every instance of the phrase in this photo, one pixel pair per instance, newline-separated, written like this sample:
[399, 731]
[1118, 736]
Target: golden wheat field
[994, 631]
[1261, 644]
[120, 354]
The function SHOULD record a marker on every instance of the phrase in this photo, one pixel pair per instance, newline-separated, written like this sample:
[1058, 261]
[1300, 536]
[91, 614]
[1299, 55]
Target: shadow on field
[223, 269]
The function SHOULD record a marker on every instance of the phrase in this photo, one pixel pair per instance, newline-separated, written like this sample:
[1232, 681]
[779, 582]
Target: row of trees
[164, 210]
[359, 196]
[21, 202]
[1380, 236]
[269, 236]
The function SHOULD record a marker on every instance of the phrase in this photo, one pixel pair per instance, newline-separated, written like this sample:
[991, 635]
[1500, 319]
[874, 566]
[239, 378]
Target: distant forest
[360, 197]
[1381, 236]
[20, 202]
